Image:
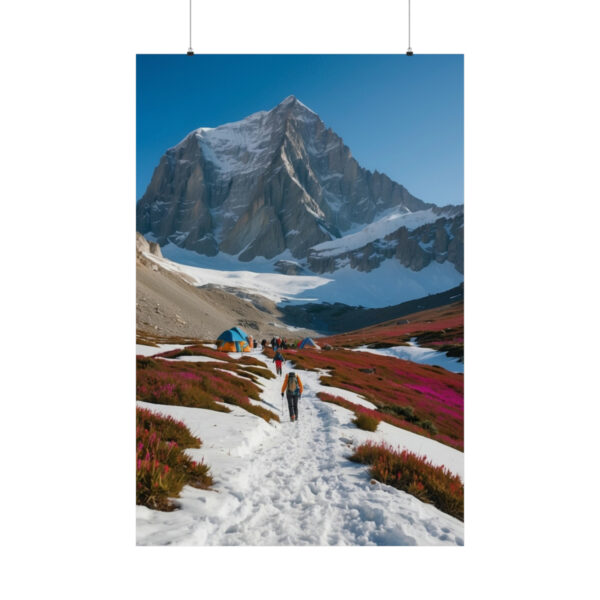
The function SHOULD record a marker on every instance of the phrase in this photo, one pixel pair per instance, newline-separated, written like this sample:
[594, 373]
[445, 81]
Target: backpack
[292, 385]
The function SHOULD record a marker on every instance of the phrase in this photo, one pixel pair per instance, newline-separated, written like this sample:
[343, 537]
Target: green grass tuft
[366, 422]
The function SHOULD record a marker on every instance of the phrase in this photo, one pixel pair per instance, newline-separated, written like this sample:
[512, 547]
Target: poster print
[299, 264]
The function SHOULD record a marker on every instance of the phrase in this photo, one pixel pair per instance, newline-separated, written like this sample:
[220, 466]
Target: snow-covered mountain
[280, 181]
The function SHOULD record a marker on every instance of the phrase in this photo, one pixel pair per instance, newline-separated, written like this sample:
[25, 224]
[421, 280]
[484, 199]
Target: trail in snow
[296, 487]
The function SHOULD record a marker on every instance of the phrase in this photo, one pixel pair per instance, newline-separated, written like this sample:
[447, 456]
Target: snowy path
[296, 487]
[302, 490]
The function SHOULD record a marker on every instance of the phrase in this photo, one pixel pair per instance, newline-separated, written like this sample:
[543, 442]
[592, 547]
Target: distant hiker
[293, 388]
[278, 360]
[284, 344]
[255, 343]
[274, 343]
[263, 343]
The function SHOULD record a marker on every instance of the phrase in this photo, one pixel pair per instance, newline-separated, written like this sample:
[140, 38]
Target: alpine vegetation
[162, 467]
[281, 479]
[415, 475]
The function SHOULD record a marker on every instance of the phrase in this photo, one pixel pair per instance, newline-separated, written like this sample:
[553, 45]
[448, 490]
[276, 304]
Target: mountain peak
[291, 103]
[276, 181]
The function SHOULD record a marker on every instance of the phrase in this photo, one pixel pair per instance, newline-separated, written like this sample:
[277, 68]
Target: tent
[241, 332]
[232, 341]
[308, 343]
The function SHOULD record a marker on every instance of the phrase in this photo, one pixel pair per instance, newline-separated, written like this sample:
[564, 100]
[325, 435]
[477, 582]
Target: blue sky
[398, 114]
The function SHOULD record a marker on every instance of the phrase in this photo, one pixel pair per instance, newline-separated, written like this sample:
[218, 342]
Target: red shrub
[415, 475]
[162, 467]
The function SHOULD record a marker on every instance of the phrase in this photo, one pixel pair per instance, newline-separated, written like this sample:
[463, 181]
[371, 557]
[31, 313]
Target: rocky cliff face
[415, 248]
[143, 245]
[276, 180]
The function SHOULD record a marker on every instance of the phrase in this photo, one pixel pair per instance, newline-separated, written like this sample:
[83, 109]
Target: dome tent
[240, 331]
[232, 341]
[308, 343]
[244, 335]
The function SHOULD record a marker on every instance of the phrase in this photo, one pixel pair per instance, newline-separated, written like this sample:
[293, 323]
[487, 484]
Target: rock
[143, 245]
[415, 249]
[248, 324]
[288, 267]
[155, 249]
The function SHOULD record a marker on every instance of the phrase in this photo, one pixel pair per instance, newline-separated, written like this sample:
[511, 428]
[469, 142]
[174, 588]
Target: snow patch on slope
[141, 349]
[414, 353]
[275, 286]
[374, 231]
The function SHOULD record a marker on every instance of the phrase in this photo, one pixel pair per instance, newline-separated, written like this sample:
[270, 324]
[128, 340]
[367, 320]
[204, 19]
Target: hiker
[293, 388]
[284, 344]
[274, 343]
[263, 344]
[278, 360]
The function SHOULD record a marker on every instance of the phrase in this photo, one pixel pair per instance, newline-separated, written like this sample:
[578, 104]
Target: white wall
[68, 150]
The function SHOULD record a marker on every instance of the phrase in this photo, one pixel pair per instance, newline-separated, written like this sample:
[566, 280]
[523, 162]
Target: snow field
[391, 283]
[414, 353]
[292, 484]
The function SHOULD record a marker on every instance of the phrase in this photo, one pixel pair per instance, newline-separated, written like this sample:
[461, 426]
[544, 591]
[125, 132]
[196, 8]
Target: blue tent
[239, 330]
[232, 341]
[308, 343]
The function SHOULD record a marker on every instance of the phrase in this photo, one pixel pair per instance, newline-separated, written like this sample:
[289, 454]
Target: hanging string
[409, 51]
[190, 52]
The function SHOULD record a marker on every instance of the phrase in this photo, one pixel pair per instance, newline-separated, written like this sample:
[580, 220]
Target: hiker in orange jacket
[293, 388]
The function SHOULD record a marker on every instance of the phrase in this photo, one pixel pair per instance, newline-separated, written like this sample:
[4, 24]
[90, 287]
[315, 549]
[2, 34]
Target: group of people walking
[277, 342]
